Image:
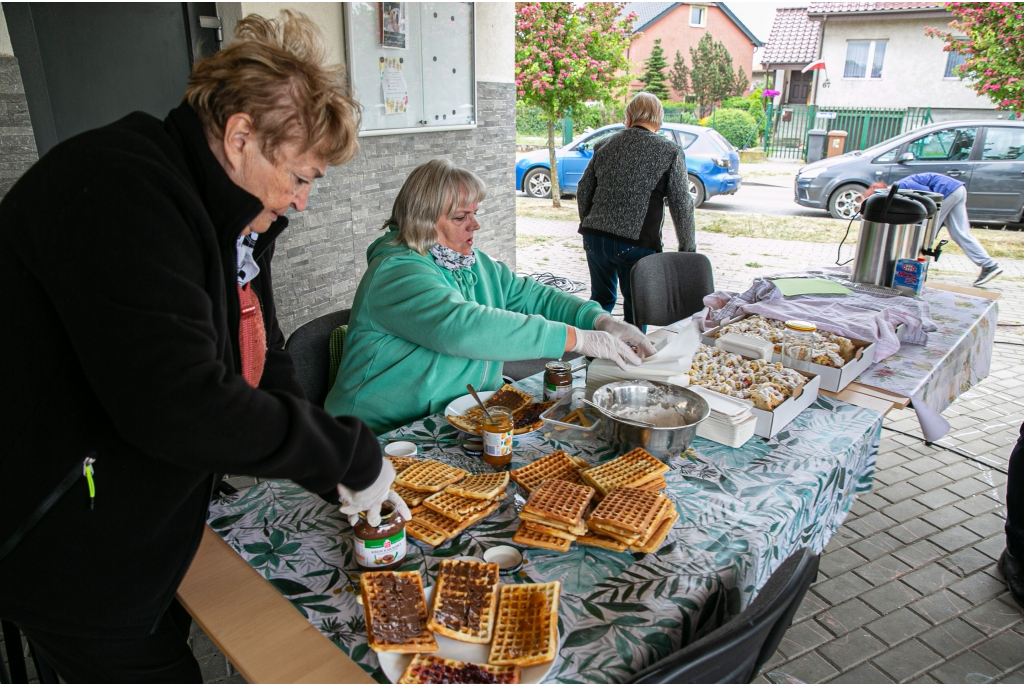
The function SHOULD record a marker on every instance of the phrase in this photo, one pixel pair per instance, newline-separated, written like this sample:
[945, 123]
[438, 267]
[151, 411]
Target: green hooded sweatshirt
[419, 333]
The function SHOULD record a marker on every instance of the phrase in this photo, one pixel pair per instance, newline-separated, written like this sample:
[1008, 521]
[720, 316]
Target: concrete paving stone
[963, 469]
[989, 524]
[857, 509]
[851, 649]
[889, 597]
[894, 475]
[202, 646]
[810, 668]
[213, 667]
[923, 680]
[952, 637]
[802, 638]
[931, 578]
[966, 561]
[886, 460]
[882, 570]
[873, 500]
[967, 487]
[912, 530]
[898, 626]
[923, 465]
[979, 587]
[776, 660]
[975, 504]
[870, 524]
[760, 679]
[992, 547]
[841, 588]
[907, 660]
[1015, 677]
[940, 606]
[938, 498]
[865, 673]
[899, 491]
[966, 668]
[810, 606]
[954, 538]
[836, 563]
[1006, 651]
[945, 517]
[842, 538]
[919, 554]
[993, 616]
[906, 510]
[930, 481]
[237, 678]
[876, 546]
[849, 615]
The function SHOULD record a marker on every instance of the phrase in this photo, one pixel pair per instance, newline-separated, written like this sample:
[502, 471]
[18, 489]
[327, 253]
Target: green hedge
[735, 125]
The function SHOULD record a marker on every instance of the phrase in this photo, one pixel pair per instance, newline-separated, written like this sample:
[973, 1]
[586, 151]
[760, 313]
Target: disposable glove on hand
[604, 345]
[370, 499]
[627, 333]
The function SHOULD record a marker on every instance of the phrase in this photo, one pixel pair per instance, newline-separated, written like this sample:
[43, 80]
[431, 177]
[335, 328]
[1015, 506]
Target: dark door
[799, 88]
[997, 183]
[85, 65]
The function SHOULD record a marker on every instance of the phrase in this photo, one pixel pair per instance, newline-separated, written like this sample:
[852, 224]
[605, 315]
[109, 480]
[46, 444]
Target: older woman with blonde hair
[433, 313]
[135, 261]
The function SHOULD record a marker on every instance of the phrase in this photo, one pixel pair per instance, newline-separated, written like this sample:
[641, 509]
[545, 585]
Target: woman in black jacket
[143, 355]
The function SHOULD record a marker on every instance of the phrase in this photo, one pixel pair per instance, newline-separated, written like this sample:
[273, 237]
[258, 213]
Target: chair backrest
[669, 286]
[736, 651]
[309, 346]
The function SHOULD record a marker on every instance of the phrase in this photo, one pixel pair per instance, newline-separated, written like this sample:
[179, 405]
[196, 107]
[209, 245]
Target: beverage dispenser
[889, 231]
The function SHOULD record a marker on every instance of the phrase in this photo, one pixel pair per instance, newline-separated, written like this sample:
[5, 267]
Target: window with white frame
[698, 15]
[953, 60]
[864, 58]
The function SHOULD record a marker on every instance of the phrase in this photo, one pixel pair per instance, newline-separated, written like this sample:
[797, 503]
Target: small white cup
[508, 558]
[401, 449]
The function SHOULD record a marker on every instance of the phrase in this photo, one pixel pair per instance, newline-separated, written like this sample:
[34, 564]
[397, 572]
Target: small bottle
[497, 434]
[380, 548]
[799, 340]
[557, 380]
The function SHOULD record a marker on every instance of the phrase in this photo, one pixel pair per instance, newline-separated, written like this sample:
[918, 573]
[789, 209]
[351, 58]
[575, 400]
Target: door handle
[954, 172]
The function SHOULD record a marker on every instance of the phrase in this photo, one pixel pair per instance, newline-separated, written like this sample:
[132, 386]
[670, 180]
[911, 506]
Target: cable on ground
[949, 449]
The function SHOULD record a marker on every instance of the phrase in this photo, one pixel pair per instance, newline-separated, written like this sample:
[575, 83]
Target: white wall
[5, 37]
[327, 16]
[496, 42]
[912, 75]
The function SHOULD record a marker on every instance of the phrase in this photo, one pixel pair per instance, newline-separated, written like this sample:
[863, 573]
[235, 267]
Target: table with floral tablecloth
[957, 356]
[742, 512]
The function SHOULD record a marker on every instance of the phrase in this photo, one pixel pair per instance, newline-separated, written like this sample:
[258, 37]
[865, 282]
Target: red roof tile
[848, 7]
[794, 37]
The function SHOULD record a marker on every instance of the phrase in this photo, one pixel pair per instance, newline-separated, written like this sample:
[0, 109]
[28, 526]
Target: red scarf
[252, 336]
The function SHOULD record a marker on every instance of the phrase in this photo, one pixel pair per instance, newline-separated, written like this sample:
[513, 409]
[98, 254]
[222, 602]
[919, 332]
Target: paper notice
[392, 83]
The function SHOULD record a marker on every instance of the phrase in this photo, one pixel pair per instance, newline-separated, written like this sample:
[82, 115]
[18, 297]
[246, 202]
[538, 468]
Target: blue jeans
[610, 262]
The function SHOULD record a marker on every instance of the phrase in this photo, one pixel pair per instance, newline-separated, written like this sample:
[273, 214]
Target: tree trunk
[556, 195]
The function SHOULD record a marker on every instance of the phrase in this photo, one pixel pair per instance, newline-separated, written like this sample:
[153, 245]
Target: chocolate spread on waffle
[466, 673]
[455, 610]
[398, 620]
[533, 641]
[530, 414]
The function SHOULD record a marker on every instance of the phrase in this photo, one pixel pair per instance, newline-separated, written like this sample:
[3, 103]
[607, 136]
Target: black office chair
[309, 346]
[735, 652]
[669, 286]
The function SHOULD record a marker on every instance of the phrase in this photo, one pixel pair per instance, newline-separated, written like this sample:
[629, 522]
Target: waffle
[466, 423]
[527, 419]
[426, 668]
[526, 630]
[592, 539]
[455, 507]
[464, 601]
[417, 510]
[530, 537]
[557, 500]
[628, 509]
[575, 529]
[480, 486]
[548, 530]
[429, 476]
[413, 498]
[506, 396]
[658, 539]
[396, 612]
[628, 471]
[558, 465]
[424, 533]
[658, 483]
[449, 527]
[402, 463]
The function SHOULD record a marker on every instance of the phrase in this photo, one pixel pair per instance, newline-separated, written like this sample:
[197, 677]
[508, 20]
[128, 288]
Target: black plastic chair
[517, 371]
[735, 652]
[309, 346]
[669, 286]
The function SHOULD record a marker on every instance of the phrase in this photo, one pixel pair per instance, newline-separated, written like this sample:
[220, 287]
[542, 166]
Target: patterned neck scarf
[248, 269]
[450, 259]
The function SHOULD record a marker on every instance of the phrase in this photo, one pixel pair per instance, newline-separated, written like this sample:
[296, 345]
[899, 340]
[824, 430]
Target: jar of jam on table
[497, 434]
[380, 548]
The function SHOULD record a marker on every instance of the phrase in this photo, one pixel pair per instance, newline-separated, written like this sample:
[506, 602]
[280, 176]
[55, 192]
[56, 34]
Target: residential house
[681, 25]
[792, 45]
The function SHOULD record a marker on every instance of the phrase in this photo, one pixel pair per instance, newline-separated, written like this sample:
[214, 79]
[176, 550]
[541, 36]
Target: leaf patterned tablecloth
[742, 512]
[957, 356]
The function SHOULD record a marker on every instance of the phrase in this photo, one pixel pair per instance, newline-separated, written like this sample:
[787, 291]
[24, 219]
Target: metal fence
[787, 134]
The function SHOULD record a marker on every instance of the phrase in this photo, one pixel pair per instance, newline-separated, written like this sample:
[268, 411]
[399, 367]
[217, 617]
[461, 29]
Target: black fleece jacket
[118, 283]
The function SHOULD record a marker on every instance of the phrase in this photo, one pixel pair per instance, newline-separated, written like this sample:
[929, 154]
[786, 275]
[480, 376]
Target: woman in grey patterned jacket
[621, 200]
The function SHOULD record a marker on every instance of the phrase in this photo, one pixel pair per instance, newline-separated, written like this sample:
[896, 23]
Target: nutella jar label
[376, 553]
[555, 392]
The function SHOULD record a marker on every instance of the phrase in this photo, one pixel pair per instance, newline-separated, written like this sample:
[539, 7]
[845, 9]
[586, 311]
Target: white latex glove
[627, 333]
[369, 500]
[604, 345]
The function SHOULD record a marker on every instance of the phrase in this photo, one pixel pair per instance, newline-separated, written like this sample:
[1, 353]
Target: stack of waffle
[636, 469]
[553, 516]
[557, 465]
[396, 612]
[630, 518]
[455, 503]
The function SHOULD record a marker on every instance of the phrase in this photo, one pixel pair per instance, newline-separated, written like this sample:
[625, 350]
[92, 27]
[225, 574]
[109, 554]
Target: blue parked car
[713, 164]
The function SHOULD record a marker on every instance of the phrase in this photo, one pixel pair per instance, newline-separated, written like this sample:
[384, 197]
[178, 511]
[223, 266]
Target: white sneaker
[988, 273]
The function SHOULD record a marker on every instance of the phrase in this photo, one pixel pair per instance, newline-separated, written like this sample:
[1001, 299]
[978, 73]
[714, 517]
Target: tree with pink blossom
[568, 54]
[992, 47]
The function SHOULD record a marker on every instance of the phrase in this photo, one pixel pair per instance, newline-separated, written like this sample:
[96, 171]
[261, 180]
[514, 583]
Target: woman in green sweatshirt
[432, 313]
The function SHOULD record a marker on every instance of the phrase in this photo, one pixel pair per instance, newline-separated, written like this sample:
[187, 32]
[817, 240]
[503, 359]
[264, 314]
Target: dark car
[987, 155]
[712, 163]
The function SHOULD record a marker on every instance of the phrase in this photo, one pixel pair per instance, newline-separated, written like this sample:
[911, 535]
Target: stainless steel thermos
[893, 227]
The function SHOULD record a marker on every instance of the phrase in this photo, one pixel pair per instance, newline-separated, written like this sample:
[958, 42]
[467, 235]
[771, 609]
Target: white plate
[394, 665]
[460, 406]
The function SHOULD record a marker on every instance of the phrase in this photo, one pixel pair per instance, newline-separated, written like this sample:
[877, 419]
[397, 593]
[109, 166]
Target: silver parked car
[987, 155]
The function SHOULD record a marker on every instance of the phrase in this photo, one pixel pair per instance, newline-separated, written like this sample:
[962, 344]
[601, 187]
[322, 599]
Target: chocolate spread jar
[557, 380]
[381, 548]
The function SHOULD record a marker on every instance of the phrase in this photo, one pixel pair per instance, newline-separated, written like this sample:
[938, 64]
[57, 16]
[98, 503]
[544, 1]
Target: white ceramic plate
[394, 665]
[460, 406]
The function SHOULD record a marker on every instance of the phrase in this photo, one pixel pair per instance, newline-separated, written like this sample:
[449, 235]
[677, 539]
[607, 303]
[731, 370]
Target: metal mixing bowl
[663, 443]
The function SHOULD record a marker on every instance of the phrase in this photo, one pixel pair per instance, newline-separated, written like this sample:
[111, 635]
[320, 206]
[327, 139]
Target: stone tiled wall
[321, 257]
[17, 143]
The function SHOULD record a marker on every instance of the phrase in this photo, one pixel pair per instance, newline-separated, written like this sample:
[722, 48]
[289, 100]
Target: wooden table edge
[254, 626]
[965, 290]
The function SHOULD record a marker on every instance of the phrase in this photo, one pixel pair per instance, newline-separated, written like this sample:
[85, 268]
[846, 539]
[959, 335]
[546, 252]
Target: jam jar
[798, 344]
[557, 380]
[497, 434]
[380, 548]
